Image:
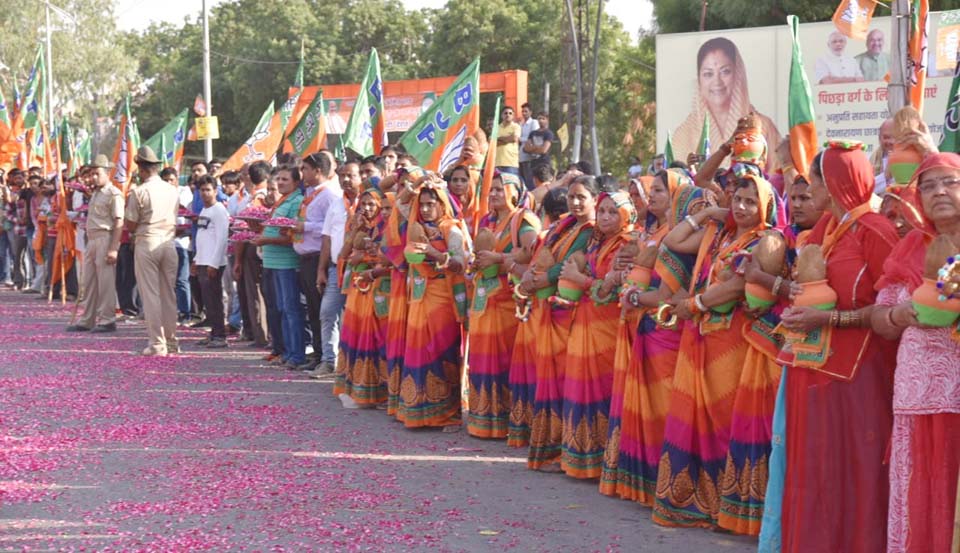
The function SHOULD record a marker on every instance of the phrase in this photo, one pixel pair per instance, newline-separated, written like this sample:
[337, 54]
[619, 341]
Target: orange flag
[917, 51]
[489, 167]
[262, 145]
[302, 104]
[852, 17]
[124, 152]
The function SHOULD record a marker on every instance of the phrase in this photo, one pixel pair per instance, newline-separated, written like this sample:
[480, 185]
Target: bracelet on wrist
[698, 302]
[776, 286]
[889, 317]
[595, 286]
[692, 222]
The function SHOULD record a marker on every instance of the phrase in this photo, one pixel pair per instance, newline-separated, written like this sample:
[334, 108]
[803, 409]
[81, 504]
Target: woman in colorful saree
[925, 448]
[493, 324]
[362, 364]
[639, 406]
[588, 368]
[551, 325]
[523, 368]
[839, 402]
[394, 242]
[432, 360]
[717, 432]
[462, 186]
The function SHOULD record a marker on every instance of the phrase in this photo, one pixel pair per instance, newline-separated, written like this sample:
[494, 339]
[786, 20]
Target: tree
[255, 47]
[91, 72]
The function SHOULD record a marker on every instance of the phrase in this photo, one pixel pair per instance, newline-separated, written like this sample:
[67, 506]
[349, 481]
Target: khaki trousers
[155, 265]
[99, 282]
[251, 277]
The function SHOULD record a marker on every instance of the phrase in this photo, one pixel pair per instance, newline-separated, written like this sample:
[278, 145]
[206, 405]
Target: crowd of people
[735, 350]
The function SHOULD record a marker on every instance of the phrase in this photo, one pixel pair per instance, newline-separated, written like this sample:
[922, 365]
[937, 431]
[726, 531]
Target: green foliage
[337, 37]
[90, 70]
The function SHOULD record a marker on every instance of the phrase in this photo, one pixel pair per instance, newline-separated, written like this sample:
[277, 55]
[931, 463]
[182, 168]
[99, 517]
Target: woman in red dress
[839, 415]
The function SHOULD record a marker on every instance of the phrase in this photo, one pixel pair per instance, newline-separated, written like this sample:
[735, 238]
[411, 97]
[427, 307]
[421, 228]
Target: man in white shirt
[334, 228]
[321, 191]
[835, 66]
[528, 124]
[212, 227]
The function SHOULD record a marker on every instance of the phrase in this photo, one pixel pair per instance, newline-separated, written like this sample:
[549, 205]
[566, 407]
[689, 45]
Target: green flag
[4, 111]
[703, 147]
[34, 98]
[168, 142]
[65, 137]
[298, 80]
[286, 110]
[436, 138]
[310, 133]
[800, 116]
[668, 151]
[950, 141]
[17, 97]
[84, 152]
[366, 131]
[264, 121]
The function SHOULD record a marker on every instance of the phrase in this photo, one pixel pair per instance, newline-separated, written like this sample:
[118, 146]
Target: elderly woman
[723, 96]
[838, 402]
[493, 324]
[925, 448]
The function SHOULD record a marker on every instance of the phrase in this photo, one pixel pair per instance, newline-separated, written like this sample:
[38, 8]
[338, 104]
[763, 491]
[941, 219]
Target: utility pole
[703, 15]
[207, 142]
[594, 147]
[578, 126]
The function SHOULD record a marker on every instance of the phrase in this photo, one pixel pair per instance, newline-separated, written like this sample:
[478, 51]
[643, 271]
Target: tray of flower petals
[254, 213]
[280, 222]
[238, 224]
[243, 236]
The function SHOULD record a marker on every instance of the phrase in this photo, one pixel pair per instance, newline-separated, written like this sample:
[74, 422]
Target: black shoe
[77, 328]
[217, 343]
[201, 324]
[232, 330]
[109, 327]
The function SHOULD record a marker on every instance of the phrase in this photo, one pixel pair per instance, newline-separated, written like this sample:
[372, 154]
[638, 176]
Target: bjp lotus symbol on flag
[852, 17]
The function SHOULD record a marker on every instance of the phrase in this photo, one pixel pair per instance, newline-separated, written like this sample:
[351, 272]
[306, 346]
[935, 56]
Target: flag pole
[49, 64]
[897, 88]
[207, 142]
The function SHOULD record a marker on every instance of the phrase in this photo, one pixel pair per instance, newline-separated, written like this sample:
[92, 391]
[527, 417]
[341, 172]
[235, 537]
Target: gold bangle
[666, 318]
[776, 286]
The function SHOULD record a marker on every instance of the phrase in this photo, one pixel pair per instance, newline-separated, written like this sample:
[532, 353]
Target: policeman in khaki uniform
[104, 225]
[151, 215]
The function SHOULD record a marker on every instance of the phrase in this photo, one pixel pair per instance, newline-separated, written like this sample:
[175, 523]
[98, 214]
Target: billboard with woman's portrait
[723, 75]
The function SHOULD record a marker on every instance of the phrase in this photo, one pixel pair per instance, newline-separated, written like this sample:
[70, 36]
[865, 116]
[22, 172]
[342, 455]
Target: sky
[137, 14]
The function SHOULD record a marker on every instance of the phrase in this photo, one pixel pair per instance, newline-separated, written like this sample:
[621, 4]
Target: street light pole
[207, 142]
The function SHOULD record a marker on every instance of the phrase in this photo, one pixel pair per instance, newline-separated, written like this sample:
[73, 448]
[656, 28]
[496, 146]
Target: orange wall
[513, 85]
